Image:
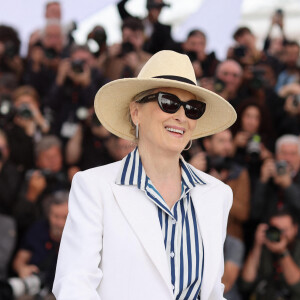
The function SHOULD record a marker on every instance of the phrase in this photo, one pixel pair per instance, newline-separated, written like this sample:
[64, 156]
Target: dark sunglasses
[169, 103]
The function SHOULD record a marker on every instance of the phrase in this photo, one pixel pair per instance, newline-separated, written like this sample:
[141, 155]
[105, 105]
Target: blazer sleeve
[227, 206]
[77, 273]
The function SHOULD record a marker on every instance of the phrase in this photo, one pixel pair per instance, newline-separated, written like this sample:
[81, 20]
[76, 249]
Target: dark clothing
[41, 81]
[209, 65]
[270, 283]
[65, 100]
[21, 147]
[43, 248]
[94, 152]
[27, 212]
[160, 38]
[268, 197]
[9, 186]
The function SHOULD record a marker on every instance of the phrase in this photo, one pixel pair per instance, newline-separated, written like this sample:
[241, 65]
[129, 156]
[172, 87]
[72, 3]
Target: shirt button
[173, 287]
[173, 221]
[172, 254]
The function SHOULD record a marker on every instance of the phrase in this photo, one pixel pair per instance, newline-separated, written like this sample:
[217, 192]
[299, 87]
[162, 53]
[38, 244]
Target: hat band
[178, 78]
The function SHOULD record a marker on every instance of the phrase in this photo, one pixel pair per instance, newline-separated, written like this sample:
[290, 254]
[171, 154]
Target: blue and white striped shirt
[182, 238]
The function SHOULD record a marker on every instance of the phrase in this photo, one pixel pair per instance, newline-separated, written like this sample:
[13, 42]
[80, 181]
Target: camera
[273, 234]
[258, 80]
[253, 146]
[99, 35]
[219, 85]
[50, 53]
[126, 48]
[77, 65]
[16, 287]
[24, 112]
[218, 163]
[239, 51]
[296, 100]
[10, 49]
[281, 167]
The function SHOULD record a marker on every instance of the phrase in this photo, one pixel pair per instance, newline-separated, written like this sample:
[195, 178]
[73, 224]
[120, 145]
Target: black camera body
[126, 48]
[281, 167]
[296, 100]
[218, 163]
[273, 234]
[50, 53]
[24, 112]
[77, 65]
[239, 51]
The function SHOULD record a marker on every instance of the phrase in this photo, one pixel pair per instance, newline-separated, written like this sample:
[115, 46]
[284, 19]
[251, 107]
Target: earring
[137, 131]
[190, 142]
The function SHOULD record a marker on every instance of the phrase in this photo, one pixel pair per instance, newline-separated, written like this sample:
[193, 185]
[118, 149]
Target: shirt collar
[132, 172]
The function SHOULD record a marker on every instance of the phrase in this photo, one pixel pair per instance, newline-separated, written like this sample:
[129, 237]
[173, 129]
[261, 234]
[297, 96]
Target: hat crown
[168, 63]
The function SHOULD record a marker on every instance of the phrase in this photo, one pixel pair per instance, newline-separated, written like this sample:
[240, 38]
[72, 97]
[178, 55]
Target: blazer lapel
[209, 220]
[141, 214]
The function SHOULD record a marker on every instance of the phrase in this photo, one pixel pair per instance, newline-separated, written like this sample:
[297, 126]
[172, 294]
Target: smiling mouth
[175, 130]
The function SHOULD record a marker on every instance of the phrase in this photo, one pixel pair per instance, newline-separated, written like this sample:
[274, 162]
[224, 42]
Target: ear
[134, 112]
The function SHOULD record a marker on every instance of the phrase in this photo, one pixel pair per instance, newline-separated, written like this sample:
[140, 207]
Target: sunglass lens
[194, 109]
[168, 103]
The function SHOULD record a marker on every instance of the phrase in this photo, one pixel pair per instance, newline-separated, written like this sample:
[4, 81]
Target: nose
[180, 115]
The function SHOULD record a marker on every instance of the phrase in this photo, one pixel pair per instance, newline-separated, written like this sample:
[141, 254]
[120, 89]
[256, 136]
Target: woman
[252, 136]
[149, 226]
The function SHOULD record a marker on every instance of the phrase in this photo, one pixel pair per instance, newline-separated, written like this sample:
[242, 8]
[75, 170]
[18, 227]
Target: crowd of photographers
[49, 131]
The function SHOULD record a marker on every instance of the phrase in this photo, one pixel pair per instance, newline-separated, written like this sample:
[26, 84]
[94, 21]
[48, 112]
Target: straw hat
[164, 69]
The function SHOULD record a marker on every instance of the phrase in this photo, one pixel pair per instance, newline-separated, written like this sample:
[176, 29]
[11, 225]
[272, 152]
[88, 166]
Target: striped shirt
[181, 234]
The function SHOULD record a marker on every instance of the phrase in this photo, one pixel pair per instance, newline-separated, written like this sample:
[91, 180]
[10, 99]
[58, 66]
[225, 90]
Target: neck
[160, 166]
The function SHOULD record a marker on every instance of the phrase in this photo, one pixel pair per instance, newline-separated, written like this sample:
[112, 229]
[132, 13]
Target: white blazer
[112, 246]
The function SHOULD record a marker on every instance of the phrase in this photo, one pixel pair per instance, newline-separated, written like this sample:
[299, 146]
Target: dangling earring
[137, 131]
[190, 142]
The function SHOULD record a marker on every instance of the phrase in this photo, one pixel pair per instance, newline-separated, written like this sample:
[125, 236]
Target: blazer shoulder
[105, 173]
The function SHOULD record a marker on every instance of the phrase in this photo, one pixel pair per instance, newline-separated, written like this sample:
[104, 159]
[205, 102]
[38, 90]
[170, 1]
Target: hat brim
[112, 106]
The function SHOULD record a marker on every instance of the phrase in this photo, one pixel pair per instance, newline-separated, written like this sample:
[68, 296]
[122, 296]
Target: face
[50, 159]
[231, 73]
[251, 119]
[220, 144]
[155, 125]
[118, 148]
[57, 218]
[291, 55]
[290, 153]
[26, 100]
[135, 37]
[154, 12]
[247, 40]
[285, 224]
[53, 11]
[53, 37]
[196, 43]
[83, 55]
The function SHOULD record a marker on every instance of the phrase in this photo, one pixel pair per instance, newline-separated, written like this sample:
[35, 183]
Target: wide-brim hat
[164, 69]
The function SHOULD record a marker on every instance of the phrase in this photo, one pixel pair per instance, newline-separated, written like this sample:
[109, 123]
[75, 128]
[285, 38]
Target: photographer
[196, 42]
[126, 59]
[44, 57]
[228, 82]
[9, 178]
[10, 60]
[290, 73]
[26, 127]
[75, 86]
[272, 268]
[157, 35]
[49, 176]
[38, 251]
[218, 163]
[290, 112]
[86, 148]
[279, 182]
